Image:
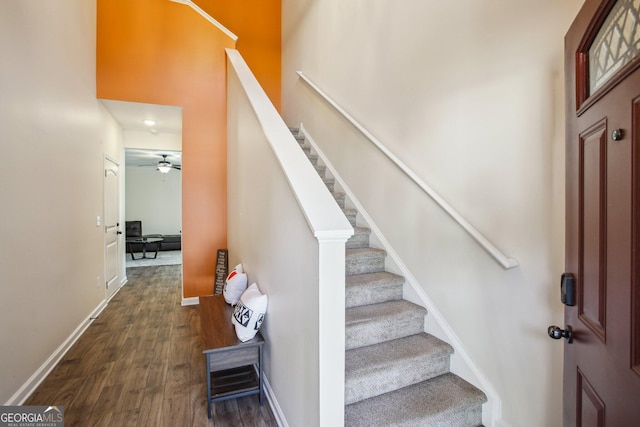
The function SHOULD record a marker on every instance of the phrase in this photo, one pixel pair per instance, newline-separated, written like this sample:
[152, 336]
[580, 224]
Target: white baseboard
[34, 381]
[122, 283]
[273, 404]
[190, 301]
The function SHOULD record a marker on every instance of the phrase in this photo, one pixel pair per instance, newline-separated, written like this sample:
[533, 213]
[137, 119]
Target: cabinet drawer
[234, 358]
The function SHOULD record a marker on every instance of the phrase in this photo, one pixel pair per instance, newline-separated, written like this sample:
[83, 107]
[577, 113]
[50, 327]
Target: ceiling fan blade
[177, 167]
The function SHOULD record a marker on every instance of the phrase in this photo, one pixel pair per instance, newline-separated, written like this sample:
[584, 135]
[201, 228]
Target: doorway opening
[151, 196]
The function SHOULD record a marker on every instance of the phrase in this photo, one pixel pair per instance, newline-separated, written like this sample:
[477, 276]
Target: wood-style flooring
[140, 363]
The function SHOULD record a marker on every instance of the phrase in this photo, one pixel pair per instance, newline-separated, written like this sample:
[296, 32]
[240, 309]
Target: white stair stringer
[461, 363]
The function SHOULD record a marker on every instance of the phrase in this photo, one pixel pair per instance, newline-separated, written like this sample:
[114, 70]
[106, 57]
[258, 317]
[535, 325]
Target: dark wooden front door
[602, 364]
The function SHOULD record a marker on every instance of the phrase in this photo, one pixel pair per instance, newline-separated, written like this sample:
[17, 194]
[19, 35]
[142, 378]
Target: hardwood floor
[141, 364]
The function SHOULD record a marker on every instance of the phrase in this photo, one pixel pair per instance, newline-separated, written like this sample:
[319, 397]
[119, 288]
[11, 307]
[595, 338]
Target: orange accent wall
[257, 23]
[160, 52]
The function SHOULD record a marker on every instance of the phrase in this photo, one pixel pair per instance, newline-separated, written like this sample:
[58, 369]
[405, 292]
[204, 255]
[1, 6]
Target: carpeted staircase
[396, 374]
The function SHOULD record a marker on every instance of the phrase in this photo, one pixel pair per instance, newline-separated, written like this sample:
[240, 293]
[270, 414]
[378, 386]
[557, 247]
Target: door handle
[118, 232]
[556, 333]
[617, 134]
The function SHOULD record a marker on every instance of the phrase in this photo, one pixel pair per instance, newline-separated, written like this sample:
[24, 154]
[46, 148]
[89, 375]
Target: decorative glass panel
[616, 44]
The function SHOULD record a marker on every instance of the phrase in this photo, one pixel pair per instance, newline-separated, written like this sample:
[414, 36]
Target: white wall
[149, 141]
[151, 197]
[468, 94]
[54, 138]
[155, 199]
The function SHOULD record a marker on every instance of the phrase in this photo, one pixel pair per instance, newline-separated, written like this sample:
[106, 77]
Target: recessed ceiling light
[149, 122]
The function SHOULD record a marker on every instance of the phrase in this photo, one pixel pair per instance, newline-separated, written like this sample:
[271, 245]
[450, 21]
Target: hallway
[141, 364]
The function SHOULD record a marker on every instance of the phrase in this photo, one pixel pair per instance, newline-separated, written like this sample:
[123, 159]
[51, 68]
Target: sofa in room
[133, 230]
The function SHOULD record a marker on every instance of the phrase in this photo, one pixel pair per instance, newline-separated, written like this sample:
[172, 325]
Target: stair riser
[464, 417]
[330, 183]
[402, 374]
[358, 241]
[378, 330]
[351, 217]
[339, 199]
[443, 401]
[364, 265]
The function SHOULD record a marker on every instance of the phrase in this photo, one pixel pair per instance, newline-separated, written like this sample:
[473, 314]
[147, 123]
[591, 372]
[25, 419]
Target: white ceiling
[131, 116]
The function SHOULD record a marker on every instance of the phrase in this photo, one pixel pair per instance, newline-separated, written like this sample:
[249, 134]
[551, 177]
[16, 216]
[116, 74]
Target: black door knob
[556, 333]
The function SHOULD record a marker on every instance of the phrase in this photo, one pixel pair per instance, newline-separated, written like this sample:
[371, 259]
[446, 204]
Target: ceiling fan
[164, 166]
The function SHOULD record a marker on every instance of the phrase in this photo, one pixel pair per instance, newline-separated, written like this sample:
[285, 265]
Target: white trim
[208, 17]
[331, 331]
[190, 301]
[494, 412]
[116, 291]
[119, 244]
[505, 261]
[43, 371]
[273, 404]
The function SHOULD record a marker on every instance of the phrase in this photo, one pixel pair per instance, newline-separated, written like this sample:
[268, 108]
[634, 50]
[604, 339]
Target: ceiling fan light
[164, 167]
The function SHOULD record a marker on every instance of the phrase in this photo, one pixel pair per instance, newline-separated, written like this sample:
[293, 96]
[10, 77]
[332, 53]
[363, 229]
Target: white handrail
[208, 17]
[505, 261]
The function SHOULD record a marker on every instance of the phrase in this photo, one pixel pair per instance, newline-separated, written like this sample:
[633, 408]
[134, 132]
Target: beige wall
[54, 138]
[468, 94]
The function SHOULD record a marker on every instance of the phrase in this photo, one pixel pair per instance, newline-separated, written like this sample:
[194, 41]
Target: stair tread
[369, 279]
[446, 400]
[372, 288]
[383, 310]
[375, 323]
[383, 367]
[360, 360]
[365, 253]
[363, 260]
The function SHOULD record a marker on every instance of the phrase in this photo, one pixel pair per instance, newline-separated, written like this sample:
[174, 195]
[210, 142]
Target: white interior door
[111, 227]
